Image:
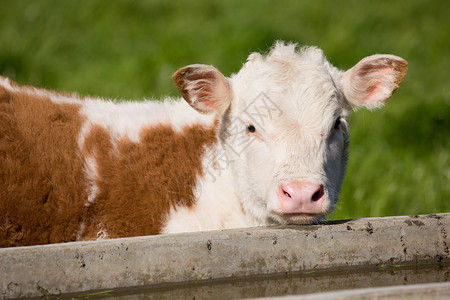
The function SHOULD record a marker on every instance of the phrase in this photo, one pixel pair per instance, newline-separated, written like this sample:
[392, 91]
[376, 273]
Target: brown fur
[41, 186]
[141, 182]
[43, 189]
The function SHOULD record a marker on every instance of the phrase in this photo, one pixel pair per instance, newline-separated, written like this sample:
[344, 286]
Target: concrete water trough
[167, 262]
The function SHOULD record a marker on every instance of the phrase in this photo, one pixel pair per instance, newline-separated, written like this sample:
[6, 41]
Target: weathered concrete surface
[84, 266]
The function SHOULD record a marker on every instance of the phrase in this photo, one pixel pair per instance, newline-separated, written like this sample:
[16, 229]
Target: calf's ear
[204, 88]
[371, 82]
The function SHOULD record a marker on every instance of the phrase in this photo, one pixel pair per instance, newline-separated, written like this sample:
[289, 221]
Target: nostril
[318, 194]
[287, 194]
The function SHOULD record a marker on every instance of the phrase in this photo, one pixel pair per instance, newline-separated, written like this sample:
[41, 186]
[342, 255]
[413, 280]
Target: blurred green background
[399, 159]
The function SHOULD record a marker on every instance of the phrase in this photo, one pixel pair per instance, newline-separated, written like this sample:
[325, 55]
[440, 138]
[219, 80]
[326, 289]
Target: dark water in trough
[284, 284]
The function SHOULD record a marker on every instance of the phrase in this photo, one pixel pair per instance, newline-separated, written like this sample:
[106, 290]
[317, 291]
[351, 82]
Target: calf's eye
[337, 124]
[251, 128]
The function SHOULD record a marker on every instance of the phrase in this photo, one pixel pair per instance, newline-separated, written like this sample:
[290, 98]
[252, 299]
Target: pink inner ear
[373, 93]
[212, 105]
[206, 97]
[386, 72]
[377, 89]
[203, 87]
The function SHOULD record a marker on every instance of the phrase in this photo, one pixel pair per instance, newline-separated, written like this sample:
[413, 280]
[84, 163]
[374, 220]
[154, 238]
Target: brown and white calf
[266, 146]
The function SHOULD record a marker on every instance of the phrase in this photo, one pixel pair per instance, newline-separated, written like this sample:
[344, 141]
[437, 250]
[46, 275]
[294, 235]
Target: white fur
[293, 98]
[6, 84]
[217, 205]
[92, 176]
[102, 234]
[81, 231]
[129, 118]
[295, 141]
[294, 145]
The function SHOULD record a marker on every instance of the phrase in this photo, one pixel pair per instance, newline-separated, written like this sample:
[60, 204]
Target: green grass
[400, 155]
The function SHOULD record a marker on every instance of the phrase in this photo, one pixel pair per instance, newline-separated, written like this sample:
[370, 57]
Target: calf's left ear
[371, 82]
[204, 87]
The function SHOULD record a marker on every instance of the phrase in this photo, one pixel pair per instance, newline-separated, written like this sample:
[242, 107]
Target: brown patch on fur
[41, 184]
[141, 182]
[43, 189]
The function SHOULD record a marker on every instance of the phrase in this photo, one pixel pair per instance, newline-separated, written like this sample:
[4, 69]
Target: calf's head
[283, 124]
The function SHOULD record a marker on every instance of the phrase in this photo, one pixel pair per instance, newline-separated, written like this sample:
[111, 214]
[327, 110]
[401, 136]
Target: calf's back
[65, 177]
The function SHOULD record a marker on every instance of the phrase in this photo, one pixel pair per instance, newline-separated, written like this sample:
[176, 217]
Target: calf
[266, 146]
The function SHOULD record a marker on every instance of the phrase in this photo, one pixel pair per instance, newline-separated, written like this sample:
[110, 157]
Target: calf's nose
[298, 197]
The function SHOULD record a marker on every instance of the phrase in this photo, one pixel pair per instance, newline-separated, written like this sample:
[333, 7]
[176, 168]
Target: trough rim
[186, 257]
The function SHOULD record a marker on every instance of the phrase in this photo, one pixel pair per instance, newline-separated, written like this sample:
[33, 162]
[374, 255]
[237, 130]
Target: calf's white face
[283, 125]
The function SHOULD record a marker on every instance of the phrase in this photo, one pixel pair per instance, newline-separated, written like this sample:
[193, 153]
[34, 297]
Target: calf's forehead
[301, 89]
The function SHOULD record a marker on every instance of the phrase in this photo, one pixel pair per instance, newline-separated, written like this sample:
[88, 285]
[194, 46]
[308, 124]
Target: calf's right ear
[204, 87]
[371, 82]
